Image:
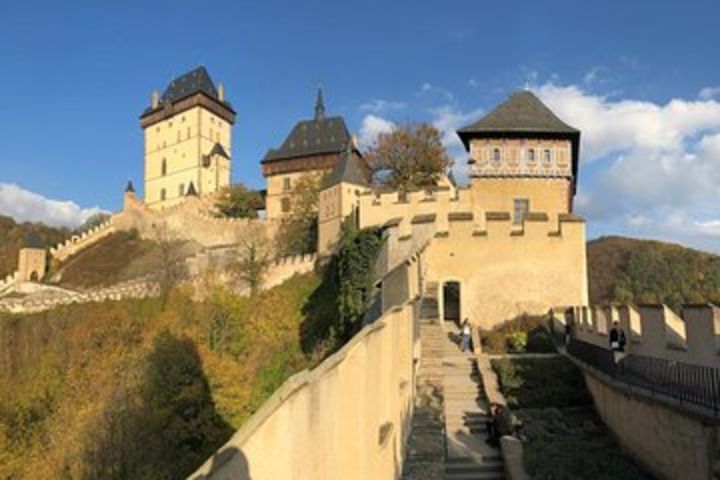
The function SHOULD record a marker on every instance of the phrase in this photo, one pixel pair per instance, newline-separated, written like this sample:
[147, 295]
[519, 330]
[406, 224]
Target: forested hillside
[644, 271]
[133, 389]
[12, 239]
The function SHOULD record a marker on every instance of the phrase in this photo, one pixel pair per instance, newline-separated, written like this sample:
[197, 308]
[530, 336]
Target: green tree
[408, 157]
[239, 201]
[253, 258]
[93, 221]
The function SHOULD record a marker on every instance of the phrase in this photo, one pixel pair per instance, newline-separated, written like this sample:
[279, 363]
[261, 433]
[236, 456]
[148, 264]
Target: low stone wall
[138, 288]
[348, 418]
[670, 443]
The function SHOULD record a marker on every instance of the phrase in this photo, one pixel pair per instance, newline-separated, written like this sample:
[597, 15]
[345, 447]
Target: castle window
[162, 194]
[285, 205]
[496, 154]
[182, 119]
[211, 134]
[547, 156]
[178, 136]
[163, 167]
[522, 207]
[531, 155]
[181, 189]
[286, 184]
[188, 132]
[169, 124]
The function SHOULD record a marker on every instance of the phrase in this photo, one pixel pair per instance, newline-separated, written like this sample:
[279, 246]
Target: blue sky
[639, 78]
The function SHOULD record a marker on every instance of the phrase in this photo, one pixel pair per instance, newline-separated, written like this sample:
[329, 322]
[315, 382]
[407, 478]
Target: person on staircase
[466, 335]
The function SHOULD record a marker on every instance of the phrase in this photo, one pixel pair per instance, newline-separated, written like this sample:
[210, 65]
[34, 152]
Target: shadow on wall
[228, 464]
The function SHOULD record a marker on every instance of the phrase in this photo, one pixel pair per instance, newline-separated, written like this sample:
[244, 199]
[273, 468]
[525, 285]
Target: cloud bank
[27, 206]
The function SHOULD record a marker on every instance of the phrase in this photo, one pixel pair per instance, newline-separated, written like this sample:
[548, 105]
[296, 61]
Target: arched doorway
[451, 302]
[34, 276]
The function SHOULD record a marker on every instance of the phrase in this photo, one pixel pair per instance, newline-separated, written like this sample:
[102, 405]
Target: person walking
[466, 335]
[614, 337]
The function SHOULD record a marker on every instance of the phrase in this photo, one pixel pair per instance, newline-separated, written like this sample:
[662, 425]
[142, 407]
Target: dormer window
[531, 155]
[547, 156]
[496, 154]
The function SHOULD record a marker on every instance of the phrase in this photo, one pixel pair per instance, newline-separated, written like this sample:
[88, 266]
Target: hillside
[133, 389]
[12, 239]
[645, 271]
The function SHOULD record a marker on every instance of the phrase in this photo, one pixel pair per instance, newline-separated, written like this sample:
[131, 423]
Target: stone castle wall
[652, 330]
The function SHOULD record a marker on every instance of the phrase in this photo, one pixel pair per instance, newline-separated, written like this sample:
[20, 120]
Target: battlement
[77, 242]
[652, 330]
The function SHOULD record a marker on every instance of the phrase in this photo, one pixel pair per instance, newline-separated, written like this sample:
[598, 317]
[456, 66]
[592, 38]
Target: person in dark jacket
[617, 338]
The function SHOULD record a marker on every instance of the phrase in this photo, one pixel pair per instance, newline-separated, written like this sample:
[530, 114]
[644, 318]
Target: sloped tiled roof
[219, 150]
[194, 81]
[321, 135]
[521, 112]
[349, 169]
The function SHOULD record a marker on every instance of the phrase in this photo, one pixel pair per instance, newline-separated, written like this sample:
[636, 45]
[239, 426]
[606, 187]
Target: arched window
[496, 154]
[163, 167]
[531, 155]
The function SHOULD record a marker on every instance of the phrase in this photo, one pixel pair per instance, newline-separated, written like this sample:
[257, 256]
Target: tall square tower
[188, 140]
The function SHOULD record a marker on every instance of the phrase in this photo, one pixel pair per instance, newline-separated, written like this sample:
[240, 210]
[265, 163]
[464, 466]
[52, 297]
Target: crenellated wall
[652, 330]
[74, 244]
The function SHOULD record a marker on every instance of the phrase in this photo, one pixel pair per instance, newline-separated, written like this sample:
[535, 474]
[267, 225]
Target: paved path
[469, 456]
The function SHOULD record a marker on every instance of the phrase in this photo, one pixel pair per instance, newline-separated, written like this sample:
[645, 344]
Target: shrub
[523, 334]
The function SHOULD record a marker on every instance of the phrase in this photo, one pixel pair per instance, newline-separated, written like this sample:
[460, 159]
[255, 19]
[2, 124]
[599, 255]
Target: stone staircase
[469, 456]
[448, 436]
[425, 454]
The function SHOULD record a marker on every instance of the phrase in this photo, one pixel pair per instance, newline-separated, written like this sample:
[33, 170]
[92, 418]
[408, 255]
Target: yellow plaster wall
[547, 195]
[31, 260]
[276, 191]
[182, 140]
[336, 203]
[504, 272]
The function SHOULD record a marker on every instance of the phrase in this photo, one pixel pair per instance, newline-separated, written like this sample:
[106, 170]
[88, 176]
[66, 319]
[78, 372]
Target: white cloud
[24, 205]
[379, 106]
[371, 127]
[427, 89]
[709, 93]
[657, 165]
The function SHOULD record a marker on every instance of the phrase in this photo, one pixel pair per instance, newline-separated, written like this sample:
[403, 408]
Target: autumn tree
[253, 259]
[238, 201]
[408, 157]
[299, 230]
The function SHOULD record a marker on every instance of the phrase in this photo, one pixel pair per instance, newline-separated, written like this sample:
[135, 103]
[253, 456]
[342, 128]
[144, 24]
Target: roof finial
[319, 106]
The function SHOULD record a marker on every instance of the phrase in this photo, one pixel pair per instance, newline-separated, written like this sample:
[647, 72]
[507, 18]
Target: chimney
[221, 92]
[155, 99]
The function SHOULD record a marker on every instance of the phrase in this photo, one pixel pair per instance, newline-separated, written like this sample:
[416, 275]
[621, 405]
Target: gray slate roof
[194, 81]
[321, 135]
[521, 112]
[349, 169]
[219, 150]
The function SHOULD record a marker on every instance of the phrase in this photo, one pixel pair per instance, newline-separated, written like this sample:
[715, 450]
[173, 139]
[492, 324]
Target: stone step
[472, 466]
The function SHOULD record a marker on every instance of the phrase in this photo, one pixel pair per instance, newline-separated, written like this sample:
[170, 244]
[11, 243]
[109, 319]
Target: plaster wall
[504, 272]
[670, 444]
[182, 140]
[276, 190]
[348, 418]
[32, 261]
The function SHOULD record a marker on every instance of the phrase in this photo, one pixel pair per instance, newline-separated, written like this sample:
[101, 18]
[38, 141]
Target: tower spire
[319, 106]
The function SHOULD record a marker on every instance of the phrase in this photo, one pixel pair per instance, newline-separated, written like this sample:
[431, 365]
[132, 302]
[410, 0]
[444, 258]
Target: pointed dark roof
[349, 169]
[219, 150]
[321, 135]
[521, 112]
[191, 192]
[523, 115]
[319, 106]
[32, 240]
[130, 188]
[194, 81]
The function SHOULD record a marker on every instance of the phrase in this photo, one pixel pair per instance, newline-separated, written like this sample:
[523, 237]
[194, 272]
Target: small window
[162, 194]
[157, 129]
[163, 167]
[496, 154]
[547, 156]
[181, 190]
[182, 119]
[285, 205]
[211, 134]
[286, 184]
[178, 136]
[522, 207]
[188, 132]
[531, 155]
